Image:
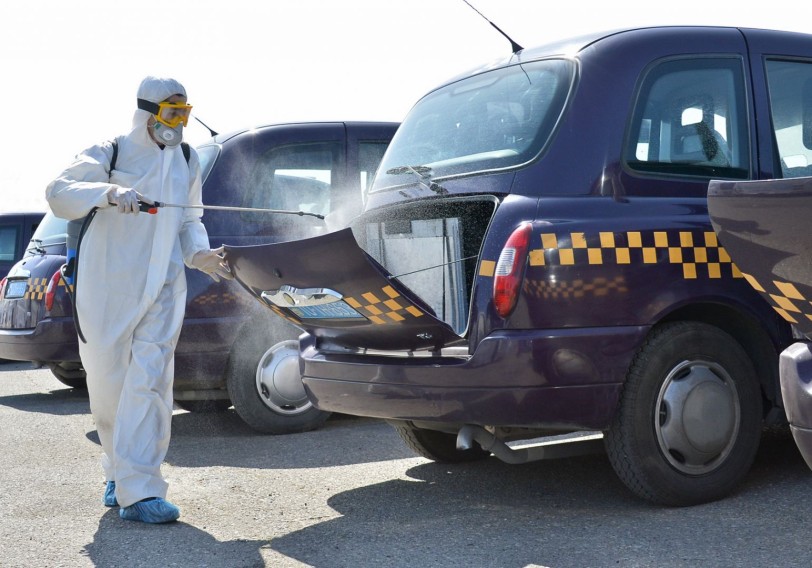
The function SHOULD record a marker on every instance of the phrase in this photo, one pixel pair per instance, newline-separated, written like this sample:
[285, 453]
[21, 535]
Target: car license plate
[333, 310]
[16, 289]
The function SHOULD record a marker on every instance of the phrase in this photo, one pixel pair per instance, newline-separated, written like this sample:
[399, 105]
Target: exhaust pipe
[547, 449]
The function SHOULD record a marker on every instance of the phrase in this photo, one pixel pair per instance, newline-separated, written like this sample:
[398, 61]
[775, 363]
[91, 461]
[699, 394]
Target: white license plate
[16, 289]
[333, 310]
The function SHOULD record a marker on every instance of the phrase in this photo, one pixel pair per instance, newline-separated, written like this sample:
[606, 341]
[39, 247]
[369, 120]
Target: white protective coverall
[131, 292]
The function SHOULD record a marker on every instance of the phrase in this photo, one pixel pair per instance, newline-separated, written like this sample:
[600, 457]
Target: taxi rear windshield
[492, 120]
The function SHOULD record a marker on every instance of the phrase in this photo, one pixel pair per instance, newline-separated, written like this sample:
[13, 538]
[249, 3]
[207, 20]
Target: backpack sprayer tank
[72, 242]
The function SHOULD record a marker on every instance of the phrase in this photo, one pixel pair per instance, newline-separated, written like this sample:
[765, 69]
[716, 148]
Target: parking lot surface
[352, 495]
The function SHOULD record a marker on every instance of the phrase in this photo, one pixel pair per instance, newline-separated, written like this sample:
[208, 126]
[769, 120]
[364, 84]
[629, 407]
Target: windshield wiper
[37, 246]
[422, 173]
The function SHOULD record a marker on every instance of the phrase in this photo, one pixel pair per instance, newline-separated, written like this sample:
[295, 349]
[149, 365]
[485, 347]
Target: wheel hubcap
[278, 381]
[698, 416]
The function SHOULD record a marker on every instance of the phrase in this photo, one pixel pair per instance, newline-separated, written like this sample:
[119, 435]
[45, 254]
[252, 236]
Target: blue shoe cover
[110, 495]
[154, 510]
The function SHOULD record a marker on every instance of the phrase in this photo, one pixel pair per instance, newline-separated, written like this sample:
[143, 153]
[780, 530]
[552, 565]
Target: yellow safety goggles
[173, 114]
[170, 114]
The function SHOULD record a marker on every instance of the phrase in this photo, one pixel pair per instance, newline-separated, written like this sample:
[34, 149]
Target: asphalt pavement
[352, 495]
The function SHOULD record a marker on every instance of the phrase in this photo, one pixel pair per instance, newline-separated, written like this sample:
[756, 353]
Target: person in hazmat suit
[130, 290]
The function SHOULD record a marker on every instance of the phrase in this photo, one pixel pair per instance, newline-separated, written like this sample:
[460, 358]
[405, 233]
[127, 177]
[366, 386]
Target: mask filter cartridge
[167, 135]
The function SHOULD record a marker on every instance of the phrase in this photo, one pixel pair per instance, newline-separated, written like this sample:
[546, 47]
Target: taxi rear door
[763, 226]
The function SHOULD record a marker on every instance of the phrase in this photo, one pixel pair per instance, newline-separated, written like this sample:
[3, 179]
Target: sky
[70, 69]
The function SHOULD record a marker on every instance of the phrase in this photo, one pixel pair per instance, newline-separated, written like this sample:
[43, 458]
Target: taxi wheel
[436, 446]
[689, 421]
[265, 385]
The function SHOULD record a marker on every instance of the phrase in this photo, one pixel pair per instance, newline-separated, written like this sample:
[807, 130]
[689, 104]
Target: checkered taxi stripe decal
[384, 306]
[576, 289]
[37, 287]
[785, 299]
[209, 299]
[699, 254]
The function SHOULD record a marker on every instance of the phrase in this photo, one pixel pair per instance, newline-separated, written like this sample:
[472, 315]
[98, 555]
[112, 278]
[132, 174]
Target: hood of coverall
[156, 90]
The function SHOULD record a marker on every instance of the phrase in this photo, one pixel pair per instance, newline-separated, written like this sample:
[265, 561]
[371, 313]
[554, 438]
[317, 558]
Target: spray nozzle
[151, 208]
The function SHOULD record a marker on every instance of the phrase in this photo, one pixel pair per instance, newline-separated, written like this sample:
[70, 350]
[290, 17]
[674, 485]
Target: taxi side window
[790, 94]
[690, 120]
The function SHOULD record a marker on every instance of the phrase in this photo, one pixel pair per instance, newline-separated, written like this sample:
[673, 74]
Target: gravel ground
[352, 495]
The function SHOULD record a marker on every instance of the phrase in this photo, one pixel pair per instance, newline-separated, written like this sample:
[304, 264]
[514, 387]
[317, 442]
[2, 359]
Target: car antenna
[212, 132]
[513, 45]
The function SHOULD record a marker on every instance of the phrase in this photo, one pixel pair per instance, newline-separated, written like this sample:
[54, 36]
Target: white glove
[126, 198]
[211, 262]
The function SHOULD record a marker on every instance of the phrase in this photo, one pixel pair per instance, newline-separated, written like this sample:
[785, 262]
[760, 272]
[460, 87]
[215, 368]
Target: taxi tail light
[50, 292]
[509, 271]
[3, 287]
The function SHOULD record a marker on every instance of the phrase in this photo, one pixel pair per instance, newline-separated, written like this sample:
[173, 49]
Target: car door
[763, 226]
[366, 144]
[287, 167]
[763, 223]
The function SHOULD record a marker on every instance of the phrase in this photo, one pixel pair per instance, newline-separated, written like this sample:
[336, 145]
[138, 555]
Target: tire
[436, 446]
[265, 385]
[204, 406]
[69, 374]
[689, 421]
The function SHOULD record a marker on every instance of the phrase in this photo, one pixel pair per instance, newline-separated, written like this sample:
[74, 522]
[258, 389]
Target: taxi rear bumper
[52, 340]
[565, 379]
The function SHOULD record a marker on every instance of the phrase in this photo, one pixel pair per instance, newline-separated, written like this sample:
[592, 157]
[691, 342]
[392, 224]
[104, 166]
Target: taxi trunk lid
[22, 297]
[400, 279]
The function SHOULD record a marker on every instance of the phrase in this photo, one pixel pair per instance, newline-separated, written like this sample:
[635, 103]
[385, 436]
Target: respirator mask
[170, 118]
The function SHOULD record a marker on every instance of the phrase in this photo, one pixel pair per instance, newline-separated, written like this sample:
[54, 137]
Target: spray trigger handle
[151, 208]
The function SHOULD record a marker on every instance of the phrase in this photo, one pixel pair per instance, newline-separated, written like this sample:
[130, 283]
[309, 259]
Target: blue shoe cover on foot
[110, 495]
[154, 510]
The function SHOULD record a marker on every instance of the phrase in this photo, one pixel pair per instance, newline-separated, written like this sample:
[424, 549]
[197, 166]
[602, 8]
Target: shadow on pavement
[126, 543]
[7, 366]
[568, 512]
[223, 439]
[200, 440]
[448, 514]
[60, 402]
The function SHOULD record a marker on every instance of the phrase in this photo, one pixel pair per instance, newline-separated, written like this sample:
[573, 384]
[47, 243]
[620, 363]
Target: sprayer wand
[152, 209]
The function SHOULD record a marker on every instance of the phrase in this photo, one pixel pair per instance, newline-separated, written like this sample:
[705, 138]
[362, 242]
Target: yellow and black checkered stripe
[380, 306]
[786, 299]
[210, 299]
[576, 289]
[698, 253]
[384, 306]
[37, 288]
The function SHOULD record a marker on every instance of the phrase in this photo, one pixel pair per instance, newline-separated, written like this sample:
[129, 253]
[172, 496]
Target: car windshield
[492, 120]
[207, 154]
[51, 230]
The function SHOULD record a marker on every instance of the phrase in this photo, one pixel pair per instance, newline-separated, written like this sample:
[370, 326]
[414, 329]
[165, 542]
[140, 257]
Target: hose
[75, 273]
